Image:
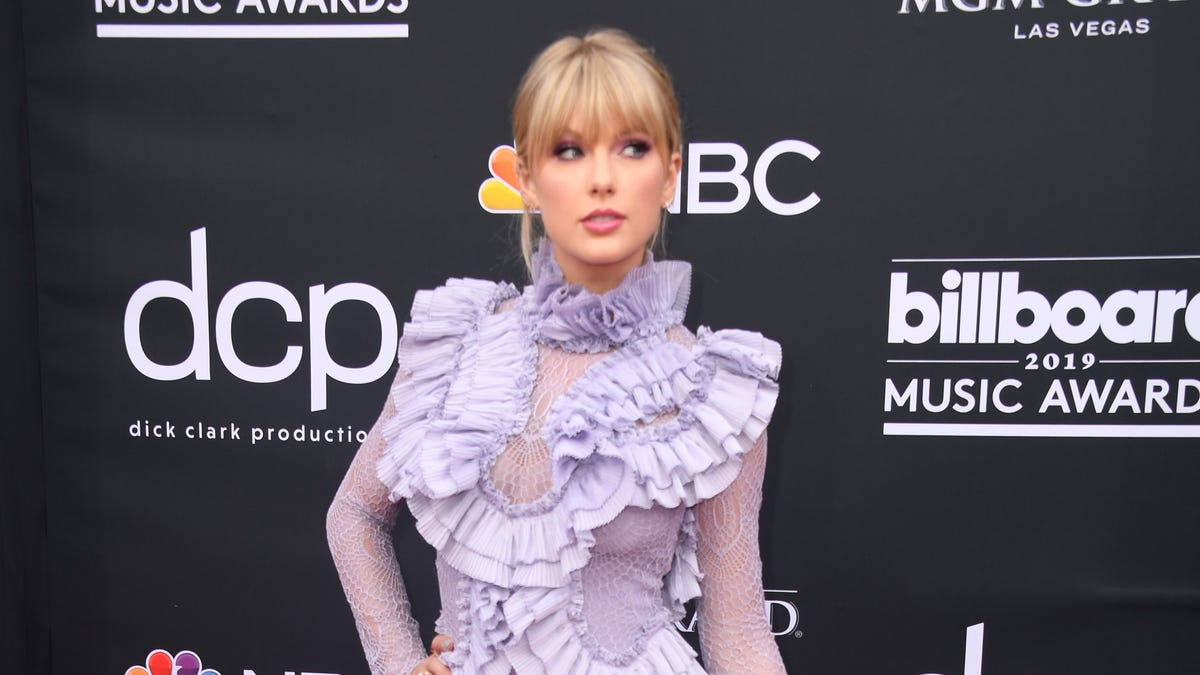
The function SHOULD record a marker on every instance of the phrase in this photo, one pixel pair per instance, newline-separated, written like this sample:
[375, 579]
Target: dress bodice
[551, 445]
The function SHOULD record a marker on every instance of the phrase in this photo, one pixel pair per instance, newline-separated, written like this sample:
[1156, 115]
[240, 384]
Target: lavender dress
[583, 465]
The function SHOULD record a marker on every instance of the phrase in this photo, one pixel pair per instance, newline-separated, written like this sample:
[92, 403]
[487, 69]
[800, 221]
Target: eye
[635, 148]
[567, 151]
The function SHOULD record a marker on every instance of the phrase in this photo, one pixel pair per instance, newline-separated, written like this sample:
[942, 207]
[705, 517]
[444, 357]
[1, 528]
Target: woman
[582, 463]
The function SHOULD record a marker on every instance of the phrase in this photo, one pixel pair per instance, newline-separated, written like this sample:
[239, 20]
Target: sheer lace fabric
[734, 634]
[521, 472]
[359, 526]
[667, 492]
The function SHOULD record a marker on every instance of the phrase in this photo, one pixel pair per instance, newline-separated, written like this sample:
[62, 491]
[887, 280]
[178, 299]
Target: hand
[432, 665]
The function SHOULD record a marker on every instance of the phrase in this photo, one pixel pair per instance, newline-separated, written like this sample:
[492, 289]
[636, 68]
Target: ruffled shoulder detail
[466, 376]
[679, 419]
[671, 424]
[433, 440]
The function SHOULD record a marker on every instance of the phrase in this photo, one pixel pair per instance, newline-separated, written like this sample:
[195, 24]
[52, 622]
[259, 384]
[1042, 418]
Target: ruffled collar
[648, 300]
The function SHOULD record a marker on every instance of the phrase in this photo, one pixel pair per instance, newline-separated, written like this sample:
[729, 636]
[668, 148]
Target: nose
[602, 175]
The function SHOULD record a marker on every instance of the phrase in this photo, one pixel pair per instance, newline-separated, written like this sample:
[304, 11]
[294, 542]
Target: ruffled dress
[576, 460]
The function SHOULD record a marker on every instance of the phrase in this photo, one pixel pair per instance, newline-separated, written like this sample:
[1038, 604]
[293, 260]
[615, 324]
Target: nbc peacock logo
[160, 662]
[500, 194]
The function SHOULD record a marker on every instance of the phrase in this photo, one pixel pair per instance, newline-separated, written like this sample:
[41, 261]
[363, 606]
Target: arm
[734, 634]
[359, 526]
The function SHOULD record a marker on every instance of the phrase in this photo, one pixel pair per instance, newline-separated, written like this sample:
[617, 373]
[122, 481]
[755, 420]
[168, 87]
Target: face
[600, 201]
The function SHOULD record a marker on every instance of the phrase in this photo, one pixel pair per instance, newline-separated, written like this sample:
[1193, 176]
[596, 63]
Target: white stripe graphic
[1149, 360]
[1043, 430]
[1010, 361]
[240, 31]
[1101, 258]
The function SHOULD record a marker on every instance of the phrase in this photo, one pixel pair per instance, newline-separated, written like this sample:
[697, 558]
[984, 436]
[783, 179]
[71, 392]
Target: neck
[598, 279]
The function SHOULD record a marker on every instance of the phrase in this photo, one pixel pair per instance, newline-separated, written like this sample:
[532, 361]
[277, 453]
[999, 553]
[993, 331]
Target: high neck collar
[649, 299]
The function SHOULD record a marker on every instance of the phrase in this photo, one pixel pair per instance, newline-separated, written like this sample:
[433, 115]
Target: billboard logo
[985, 308]
[499, 194]
[160, 662]
[1035, 353]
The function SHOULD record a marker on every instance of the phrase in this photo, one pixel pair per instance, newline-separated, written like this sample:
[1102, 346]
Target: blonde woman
[582, 463]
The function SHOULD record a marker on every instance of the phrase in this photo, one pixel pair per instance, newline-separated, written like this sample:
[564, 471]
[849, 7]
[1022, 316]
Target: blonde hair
[607, 78]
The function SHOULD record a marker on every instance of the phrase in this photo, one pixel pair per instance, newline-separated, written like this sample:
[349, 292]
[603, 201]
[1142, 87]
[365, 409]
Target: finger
[441, 643]
[436, 667]
[431, 666]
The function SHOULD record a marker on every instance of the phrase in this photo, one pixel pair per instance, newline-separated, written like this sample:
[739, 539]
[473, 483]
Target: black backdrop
[948, 140]
[25, 632]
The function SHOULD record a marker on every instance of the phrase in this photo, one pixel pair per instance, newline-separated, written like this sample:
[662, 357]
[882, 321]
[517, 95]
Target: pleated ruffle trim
[653, 423]
[650, 298]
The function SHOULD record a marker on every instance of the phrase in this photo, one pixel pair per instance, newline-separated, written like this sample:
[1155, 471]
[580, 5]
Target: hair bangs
[600, 82]
[595, 92]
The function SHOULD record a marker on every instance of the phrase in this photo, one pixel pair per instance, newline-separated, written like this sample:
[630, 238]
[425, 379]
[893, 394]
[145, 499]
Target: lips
[602, 221]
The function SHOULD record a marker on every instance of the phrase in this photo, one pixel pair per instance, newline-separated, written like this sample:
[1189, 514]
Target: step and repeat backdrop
[970, 223]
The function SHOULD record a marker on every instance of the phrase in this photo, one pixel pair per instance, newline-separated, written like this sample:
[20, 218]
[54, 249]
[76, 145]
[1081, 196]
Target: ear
[526, 186]
[671, 181]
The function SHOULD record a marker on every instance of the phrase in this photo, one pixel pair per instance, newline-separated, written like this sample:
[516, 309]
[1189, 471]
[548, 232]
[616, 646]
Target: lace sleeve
[734, 634]
[359, 526]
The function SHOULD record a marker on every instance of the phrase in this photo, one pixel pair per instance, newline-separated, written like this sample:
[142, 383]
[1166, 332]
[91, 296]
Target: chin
[603, 256]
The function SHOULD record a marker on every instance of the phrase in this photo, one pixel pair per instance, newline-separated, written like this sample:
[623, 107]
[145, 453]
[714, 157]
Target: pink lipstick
[603, 221]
